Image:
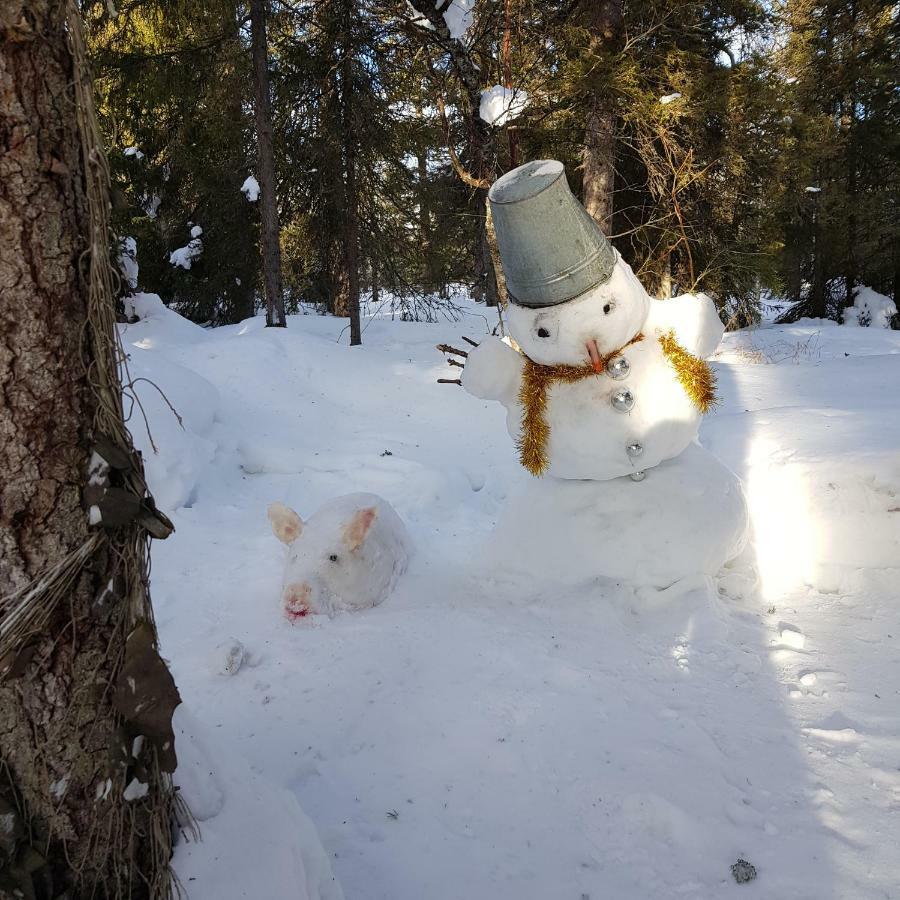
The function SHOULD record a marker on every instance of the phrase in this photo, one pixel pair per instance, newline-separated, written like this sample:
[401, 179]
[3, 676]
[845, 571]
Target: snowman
[605, 381]
[600, 382]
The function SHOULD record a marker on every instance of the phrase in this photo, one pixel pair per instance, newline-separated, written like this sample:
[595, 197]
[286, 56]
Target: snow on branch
[250, 189]
[500, 104]
[185, 256]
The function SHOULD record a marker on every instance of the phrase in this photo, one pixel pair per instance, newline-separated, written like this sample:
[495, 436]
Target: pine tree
[840, 173]
[175, 98]
[85, 699]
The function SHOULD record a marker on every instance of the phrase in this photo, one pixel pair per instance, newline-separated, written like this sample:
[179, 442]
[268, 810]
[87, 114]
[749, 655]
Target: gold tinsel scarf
[693, 373]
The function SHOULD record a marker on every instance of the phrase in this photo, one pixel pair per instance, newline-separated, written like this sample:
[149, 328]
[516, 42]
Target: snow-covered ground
[476, 736]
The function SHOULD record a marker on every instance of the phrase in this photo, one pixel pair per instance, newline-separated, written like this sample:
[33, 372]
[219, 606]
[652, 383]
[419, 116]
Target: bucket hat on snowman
[551, 247]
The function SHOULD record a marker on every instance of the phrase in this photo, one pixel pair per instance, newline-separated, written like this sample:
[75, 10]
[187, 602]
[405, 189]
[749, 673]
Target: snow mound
[499, 104]
[271, 847]
[250, 189]
[687, 518]
[170, 408]
[666, 99]
[175, 441]
[157, 325]
[870, 309]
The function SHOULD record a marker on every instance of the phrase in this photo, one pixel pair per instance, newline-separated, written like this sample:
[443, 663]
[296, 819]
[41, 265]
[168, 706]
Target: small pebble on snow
[743, 871]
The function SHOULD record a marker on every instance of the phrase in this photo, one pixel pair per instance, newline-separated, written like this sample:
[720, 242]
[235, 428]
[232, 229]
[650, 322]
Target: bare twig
[446, 348]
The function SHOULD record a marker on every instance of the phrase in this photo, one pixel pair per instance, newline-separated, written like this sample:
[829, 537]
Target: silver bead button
[634, 449]
[622, 400]
[638, 476]
[618, 368]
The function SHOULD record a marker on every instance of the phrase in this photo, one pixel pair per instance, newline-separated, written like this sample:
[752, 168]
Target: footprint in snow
[819, 682]
[791, 636]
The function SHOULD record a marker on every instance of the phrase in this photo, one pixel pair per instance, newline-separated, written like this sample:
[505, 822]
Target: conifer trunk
[506, 53]
[268, 202]
[849, 127]
[429, 275]
[605, 23]
[351, 197]
[58, 727]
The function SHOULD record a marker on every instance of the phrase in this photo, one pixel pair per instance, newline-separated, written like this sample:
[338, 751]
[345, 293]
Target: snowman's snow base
[688, 517]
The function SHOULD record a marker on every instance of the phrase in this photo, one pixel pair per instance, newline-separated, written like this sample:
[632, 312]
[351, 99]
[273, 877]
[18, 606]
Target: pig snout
[297, 601]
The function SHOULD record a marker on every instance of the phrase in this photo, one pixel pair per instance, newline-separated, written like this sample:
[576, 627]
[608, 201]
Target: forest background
[746, 149]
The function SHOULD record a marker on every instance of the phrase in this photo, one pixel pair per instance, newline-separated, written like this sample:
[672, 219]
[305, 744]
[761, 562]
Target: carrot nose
[594, 353]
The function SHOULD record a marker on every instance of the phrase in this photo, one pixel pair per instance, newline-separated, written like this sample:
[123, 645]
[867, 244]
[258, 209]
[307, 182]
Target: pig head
[348, 556]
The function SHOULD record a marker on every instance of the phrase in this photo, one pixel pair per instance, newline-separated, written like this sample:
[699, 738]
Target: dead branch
[446, 348]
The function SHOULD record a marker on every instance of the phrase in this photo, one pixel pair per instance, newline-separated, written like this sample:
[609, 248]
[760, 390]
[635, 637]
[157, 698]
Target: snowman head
[574, 299]
[592, 325]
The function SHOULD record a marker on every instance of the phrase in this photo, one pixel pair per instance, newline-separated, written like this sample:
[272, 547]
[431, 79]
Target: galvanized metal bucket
[550, 247]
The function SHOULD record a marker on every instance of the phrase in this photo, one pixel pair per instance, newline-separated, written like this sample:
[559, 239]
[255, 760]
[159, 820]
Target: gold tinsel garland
[693, 373]
[536, 380]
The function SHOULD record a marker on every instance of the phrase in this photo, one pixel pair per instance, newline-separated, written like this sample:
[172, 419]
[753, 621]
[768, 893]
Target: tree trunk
[506, 53]
[818, 302]
[429, 275]
[59, 731]
[351, 199]
[605, 23]
[268, 203]
[373, 270]
[665, 281]
[849, 126]
[495, 271]
[479, 145]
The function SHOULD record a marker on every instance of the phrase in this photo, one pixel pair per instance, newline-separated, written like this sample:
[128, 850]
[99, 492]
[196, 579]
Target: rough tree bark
[268, 202]
[59, 731]
[605, 24]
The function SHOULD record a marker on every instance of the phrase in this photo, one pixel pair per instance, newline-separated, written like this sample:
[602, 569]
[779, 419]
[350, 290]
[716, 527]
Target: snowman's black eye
[607, 308]
[542, 332]
[333, 557]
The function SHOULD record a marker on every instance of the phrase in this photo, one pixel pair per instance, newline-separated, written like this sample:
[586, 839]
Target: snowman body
[625, 419]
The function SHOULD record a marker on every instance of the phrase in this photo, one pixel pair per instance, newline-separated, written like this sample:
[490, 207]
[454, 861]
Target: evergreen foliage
[753, 146]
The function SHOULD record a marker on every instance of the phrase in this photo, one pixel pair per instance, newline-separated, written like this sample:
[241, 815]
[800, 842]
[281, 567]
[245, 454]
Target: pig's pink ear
[357, 528]
[286, 524]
